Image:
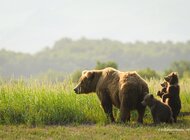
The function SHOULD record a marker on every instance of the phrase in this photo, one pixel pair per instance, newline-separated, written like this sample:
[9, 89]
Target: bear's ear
[84, 72]
[151, 96]
[175, 73]
[90, 74]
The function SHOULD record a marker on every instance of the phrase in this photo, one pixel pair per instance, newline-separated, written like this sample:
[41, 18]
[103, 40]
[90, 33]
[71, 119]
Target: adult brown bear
[124, 90]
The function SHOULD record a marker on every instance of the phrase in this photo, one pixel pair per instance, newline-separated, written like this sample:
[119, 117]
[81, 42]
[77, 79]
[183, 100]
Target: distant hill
[70, 55]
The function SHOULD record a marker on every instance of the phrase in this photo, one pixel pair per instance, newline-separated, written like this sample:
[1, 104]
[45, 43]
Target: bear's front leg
[155, 117]
[164, 97]
[106, 103]
[160, 94]
[107, 106]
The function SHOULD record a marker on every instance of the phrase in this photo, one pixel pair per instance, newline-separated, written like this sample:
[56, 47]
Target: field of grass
[31, 109]
[96, 132]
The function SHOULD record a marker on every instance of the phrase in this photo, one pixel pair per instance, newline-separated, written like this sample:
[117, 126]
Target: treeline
[181, 67]
[67, 56]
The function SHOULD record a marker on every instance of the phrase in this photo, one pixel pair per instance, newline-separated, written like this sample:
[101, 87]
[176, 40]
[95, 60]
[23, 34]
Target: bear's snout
[76, 90]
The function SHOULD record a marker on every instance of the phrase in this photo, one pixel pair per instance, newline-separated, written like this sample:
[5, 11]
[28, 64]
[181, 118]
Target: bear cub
[161, 92]
[172, 94]
[161, 112]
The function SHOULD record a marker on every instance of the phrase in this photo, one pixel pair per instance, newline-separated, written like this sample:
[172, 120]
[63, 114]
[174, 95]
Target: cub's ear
[84, 72]
[90, 74]
[151, 96]
[167, 78]
[175, 73]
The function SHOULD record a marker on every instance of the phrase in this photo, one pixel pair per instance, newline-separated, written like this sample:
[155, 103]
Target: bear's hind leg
[175, 112]
[175, 118]
[125, 112]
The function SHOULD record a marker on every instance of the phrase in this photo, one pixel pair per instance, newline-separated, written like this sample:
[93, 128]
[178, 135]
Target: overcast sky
[30, 25]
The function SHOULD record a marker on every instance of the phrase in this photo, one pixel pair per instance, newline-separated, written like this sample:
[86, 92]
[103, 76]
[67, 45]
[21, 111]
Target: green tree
[149, 73]
[102, 65]
[182, 67]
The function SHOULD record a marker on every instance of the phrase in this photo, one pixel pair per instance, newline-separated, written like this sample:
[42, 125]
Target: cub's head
[172, 78]
[148, 100]
[86, 83]
[164, 84]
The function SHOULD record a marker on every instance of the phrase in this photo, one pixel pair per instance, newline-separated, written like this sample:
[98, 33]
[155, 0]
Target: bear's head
[164, 84]
[172, 78]
[148, 100]
[86, 82]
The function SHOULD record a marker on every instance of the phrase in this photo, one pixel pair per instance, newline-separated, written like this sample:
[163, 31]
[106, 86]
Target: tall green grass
[44, 102]
[37, 102]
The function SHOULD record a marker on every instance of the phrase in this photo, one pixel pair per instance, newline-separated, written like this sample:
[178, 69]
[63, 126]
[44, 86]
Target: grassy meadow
[31, 109]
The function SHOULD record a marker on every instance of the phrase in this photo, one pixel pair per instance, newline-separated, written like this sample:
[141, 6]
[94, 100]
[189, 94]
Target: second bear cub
[161, 92]
[160, 111]
[172, 94]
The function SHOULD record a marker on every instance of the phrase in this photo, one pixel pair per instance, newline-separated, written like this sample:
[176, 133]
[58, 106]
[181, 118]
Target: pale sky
[30, 25]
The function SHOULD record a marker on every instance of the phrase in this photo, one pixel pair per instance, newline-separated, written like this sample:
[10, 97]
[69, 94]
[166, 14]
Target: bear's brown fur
[160, 112]
[172, 94]
[124, 90]
[161, 92]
